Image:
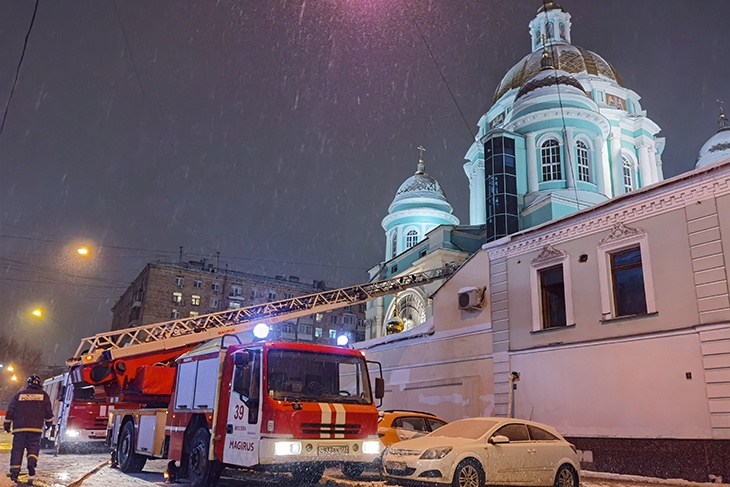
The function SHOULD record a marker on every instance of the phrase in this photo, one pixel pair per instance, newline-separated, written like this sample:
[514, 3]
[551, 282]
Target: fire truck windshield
[317, 377]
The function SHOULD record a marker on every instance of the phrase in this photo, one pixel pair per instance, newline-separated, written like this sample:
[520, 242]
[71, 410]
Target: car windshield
[465, 428]
[295, 375]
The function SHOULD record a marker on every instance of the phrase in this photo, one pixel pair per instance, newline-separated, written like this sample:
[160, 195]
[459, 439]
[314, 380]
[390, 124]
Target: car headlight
[436, 453]
[287, 448]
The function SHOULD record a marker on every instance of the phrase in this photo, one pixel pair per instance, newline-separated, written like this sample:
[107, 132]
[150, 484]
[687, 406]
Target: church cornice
[556, 114]
[671, 195]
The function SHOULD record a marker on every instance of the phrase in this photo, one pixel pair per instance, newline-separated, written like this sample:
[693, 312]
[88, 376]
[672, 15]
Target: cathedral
[603, 303]
[563, 134]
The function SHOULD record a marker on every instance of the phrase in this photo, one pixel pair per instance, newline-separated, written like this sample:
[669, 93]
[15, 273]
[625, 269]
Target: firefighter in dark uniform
[27, 412]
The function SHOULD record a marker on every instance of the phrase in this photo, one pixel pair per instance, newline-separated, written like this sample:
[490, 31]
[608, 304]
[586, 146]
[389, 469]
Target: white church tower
[563, 134]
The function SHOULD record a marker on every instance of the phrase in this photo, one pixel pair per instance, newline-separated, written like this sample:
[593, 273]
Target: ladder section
[186, 331]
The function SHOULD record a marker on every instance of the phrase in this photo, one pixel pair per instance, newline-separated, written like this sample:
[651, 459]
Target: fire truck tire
[201, 471]
[129, 461]
[307, 474]
[353, 471]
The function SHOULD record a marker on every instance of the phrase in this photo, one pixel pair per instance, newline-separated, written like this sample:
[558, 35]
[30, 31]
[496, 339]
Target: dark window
[501, 187]
[435, 424]
[515, 432]
[627, 275]
[539, 434]
[552, 297]
[410, 423]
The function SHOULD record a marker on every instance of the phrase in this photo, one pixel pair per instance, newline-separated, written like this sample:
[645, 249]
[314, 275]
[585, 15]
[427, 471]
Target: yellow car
[399, 425]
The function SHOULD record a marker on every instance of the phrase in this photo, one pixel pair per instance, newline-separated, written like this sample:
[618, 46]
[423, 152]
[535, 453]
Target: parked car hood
[430, 441]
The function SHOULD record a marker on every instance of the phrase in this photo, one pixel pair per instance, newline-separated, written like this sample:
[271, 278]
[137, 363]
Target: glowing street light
[83, 250]
[38, 313]
[11, 368]
[14, 378]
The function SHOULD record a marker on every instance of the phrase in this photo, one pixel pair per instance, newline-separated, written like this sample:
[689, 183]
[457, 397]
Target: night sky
[275, 132]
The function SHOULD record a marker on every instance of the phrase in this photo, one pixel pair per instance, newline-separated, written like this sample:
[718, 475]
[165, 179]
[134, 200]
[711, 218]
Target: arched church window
[549, 30]
[550, 157]
[394, 243]
[628, 175]
[411, 238]
[584, 164]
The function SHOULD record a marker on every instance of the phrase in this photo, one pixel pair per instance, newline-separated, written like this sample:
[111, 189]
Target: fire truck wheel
[201, 471]
[308, 474]
[129, 461]
[353, 470]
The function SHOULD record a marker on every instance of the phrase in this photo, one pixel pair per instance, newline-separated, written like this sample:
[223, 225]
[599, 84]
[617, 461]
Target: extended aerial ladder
[119, 354]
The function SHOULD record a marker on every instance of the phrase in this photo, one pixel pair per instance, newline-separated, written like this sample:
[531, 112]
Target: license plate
[333, 450]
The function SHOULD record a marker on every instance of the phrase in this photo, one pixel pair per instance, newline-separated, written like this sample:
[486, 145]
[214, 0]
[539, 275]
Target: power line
[17, 69]
[433, 58]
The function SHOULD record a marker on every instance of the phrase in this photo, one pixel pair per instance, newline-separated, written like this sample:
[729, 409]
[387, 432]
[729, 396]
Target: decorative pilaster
[599, 165]
[570, 166]
[644, 164]
[532, 185]
[617, 165]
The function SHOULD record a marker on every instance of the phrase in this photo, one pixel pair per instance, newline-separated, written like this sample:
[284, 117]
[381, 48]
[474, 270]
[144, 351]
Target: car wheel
[469, 473]
[129, 461]
[201, 471]
[566, 477]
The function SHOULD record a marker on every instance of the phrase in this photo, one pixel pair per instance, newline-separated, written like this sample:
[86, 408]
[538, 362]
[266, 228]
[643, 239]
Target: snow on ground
[61, 470]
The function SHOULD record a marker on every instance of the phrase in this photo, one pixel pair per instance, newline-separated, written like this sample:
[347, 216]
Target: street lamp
[37, 312]
[83, 250]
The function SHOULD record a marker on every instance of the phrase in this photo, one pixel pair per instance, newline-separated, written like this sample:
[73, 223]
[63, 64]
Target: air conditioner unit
[470, 298]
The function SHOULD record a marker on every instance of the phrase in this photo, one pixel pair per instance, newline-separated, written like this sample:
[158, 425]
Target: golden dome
[567, 57]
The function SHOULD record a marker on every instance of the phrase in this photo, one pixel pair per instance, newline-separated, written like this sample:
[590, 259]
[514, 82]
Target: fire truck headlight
[73, 433]
[371, 447]
[287, 448]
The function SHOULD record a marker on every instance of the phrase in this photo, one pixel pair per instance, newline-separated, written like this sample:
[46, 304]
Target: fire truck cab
[77, 415]
[266, 406]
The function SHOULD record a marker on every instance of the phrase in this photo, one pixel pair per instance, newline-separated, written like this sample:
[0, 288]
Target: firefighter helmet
[34, 380]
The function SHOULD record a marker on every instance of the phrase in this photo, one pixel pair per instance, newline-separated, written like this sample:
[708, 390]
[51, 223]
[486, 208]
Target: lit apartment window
[333, 333]
[236, 290]
[627, 277]
[552, 297]
[272, 296]
[214, 302]
[318, 332]
[179, 281]
[194, 313]
[177, 298]
[318, 317]
[234, 305]
[175, 314]
[216, 287]
[195, 300]
[198, 283]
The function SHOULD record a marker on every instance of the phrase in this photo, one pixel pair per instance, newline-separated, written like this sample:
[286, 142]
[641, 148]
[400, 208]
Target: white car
[478, 451]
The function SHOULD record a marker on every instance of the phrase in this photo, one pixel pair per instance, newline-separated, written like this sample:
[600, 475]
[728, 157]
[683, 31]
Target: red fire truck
[205, 393]
[78, 416]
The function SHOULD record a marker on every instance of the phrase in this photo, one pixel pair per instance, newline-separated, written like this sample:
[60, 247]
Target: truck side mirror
[241, 358]
[379, 388]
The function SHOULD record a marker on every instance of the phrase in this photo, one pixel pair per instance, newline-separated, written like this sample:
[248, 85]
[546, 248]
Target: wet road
[62, 470]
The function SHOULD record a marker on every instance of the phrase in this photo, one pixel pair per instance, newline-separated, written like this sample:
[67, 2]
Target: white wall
[628, 388]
